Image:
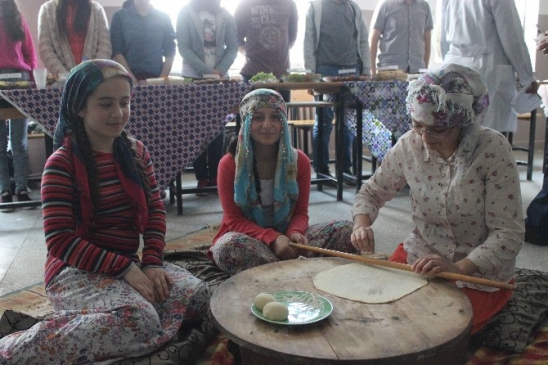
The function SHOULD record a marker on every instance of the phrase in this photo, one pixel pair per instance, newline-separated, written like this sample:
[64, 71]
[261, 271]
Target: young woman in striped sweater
[100, 198]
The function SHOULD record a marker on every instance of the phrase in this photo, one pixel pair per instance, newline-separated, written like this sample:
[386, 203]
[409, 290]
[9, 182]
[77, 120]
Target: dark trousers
[205, 166]
[536, 223]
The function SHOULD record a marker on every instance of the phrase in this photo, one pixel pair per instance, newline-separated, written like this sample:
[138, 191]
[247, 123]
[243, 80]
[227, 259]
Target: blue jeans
[19, 149]
[322, 165]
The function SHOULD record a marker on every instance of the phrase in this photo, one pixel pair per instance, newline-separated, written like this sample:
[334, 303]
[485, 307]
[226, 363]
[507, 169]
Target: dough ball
[275, 311]
[263, 298]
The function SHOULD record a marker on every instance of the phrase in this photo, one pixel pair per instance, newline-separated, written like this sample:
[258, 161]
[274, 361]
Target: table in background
[375, 111]
[334, 90]
[175, 122]
[382, 116]
[428, 326]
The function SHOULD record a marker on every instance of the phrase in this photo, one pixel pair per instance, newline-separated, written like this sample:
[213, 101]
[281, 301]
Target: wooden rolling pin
[405, 267]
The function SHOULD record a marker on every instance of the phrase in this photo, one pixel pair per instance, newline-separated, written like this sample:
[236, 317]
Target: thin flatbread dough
[367, 283]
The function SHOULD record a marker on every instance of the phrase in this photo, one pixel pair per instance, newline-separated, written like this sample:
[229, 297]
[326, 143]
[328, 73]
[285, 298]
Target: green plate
[304, 307]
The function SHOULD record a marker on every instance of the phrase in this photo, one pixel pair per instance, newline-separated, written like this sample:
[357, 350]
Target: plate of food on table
[291, 307]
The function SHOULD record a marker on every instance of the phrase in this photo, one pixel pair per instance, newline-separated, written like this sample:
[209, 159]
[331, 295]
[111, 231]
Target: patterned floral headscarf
[452, 96]
[285, 181]
[81, 82]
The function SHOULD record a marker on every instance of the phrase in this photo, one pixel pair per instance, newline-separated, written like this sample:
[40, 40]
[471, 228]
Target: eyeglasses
[435, 132]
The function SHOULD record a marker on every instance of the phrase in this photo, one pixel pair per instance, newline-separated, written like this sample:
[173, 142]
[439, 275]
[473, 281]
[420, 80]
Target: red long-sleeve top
[111, 245]
[234, 219]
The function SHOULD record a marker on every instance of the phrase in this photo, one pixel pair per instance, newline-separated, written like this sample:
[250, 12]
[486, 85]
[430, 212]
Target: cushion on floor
[199, 343]
[511, 328]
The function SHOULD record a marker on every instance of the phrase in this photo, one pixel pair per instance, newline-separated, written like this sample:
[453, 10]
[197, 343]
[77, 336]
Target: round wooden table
[428, 326]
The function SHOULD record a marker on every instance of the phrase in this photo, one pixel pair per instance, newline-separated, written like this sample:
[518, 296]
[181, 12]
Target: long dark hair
[81, 138]
[80, 22]
[13, 23]
[82, 81]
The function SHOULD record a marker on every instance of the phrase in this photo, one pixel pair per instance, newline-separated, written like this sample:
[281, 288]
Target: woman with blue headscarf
[100, 199]
[464, 187]
[264, 188]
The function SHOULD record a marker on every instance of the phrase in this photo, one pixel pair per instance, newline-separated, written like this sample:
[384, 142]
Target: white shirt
[466, 207]
[477, 33]
[209, 28]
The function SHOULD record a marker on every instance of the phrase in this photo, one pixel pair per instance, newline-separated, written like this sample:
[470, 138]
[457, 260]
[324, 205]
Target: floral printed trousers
[99, 319]
[235, 252]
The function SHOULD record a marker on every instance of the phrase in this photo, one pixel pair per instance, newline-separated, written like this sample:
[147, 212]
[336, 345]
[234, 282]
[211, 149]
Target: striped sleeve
[155, 229]
[64, 246]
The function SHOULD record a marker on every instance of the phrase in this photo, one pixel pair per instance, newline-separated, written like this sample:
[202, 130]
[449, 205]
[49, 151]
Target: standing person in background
[404, 29]
[113, 295]
[335, 39]
[18, 59]
[81, 34]
[487, 35]
[207, 40]
[267, 29]
[264, 188]
[143, 40]
[536, 223]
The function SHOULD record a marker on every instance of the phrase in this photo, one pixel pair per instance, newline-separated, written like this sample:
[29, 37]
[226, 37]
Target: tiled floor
[23, 252]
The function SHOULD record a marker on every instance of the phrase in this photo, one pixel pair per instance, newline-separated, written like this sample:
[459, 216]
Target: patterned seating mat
[202, 344]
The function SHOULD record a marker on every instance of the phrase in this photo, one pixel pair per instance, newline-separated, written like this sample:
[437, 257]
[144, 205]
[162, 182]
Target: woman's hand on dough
[282, 250]
[161, 282]
[363, 239]
[140, 282]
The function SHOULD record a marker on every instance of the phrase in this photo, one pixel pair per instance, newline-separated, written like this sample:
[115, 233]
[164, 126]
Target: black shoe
[5, 197]
[202, 183]
[22, 196]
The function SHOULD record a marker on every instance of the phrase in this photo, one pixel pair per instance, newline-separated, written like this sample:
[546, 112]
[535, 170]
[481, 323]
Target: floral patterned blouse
[468, 206]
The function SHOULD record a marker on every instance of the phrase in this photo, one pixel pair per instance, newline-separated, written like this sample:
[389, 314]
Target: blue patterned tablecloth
[384, 112]
[174, 122]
